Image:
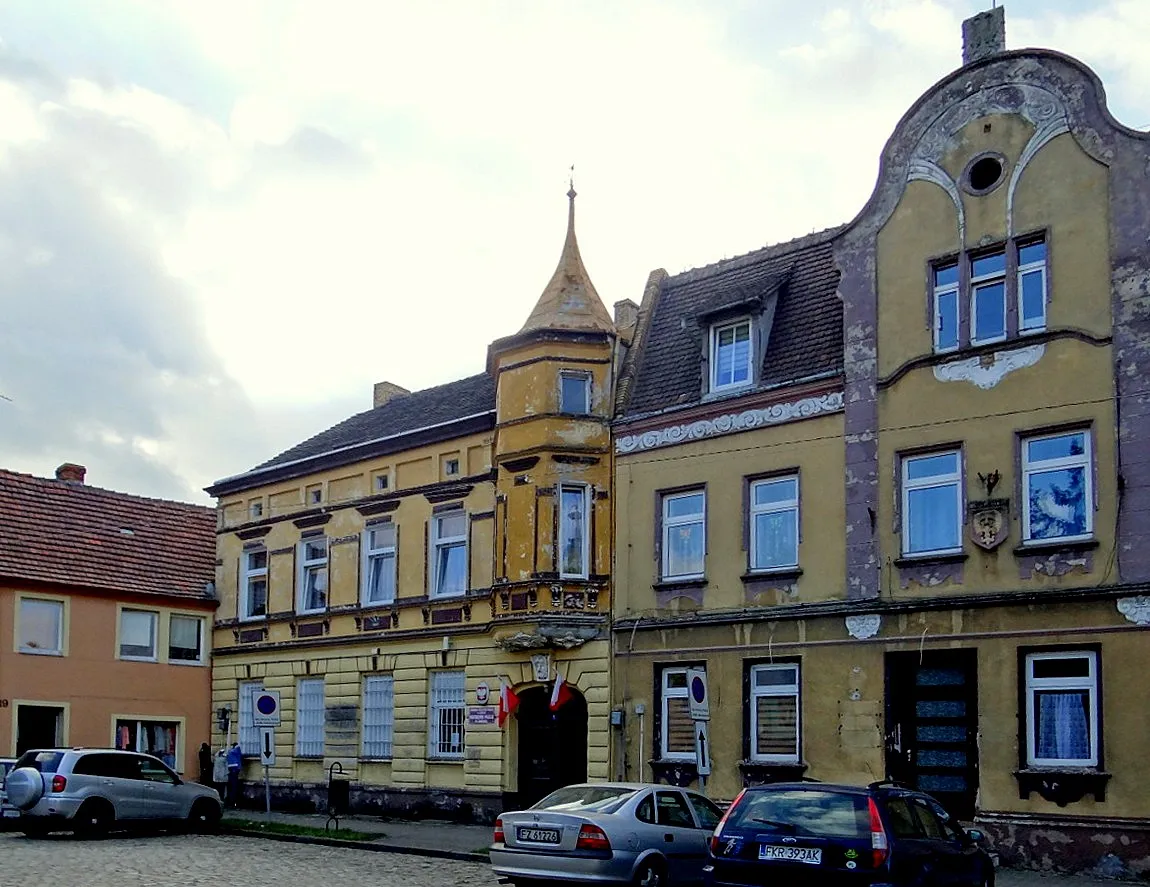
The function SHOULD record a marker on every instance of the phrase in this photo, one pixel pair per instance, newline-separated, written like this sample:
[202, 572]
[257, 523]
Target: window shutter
[680, 727]
[776, 729]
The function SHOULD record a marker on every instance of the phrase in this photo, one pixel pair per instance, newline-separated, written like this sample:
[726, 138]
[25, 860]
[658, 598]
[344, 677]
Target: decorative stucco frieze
[988, 373]
[730, 423]
[863, 627]
[929, 171]
[1135, 609]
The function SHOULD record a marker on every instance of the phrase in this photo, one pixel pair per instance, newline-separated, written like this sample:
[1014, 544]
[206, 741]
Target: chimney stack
[984, 35]
[385, 391]
[626, 314]
[71, 473]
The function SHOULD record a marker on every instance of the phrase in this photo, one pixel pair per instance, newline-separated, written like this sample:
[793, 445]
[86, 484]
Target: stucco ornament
[730, 423]
[541, 666]
[1135, 609]
[989, 525]
[863, 627]
[987, 373]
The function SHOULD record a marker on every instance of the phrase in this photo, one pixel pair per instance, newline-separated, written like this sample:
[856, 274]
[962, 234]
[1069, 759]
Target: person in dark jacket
[205, 764]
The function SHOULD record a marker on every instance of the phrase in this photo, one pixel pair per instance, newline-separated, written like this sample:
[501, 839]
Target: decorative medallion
[987, 371]
[989, 522]
[1135, 609]
[541, 666]
[863, 627]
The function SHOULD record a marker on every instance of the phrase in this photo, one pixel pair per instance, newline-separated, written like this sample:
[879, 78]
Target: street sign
[702, 749]
[266, 708]
[268, 746]
[697, 697]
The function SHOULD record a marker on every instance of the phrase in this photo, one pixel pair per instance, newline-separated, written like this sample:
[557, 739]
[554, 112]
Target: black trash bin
[338, 793]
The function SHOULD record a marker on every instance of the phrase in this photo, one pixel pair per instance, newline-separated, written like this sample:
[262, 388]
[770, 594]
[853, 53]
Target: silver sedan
[612, 832]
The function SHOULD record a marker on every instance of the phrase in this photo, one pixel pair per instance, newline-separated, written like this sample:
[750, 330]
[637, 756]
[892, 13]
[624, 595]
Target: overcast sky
[221, 221]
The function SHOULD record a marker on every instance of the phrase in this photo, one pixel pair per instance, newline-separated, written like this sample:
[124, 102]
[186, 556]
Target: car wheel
[94, 819]
[204, 818]
[650, 874]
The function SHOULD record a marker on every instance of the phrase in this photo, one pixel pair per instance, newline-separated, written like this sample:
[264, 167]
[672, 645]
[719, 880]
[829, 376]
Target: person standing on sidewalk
[235, 761]
[220, 773]
[205, 764]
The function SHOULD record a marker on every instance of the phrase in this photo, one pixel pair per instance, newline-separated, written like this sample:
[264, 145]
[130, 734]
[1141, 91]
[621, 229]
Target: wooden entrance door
[552, 745]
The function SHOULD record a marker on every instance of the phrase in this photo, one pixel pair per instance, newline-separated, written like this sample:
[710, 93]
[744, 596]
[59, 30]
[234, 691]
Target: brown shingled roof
[70, 534]
[806, 337]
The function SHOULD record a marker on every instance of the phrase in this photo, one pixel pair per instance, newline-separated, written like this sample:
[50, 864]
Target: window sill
[455, 761]
[1062, 785]
[372, 760]
[1053, 546]
[672, 584]
[29, 651]
[760, 772]
[152, 659]
[680, 773]
[190, 662]
[914, 560]
[773, 573]
[307, 759]
[303, 613]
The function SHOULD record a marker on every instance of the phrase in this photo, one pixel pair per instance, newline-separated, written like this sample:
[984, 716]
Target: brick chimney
[385, 391]
[71, 473]
[626, 314]
[984, 35]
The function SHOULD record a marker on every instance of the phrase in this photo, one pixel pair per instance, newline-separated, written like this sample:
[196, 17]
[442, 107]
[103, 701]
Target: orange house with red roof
[106, 602]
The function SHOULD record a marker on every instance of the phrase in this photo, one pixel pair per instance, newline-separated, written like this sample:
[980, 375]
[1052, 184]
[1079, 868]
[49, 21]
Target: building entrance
[552, 745]
[39, 726]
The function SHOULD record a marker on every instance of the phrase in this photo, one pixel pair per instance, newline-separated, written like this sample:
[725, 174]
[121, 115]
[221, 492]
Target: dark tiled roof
[806, 337]
[71, 534]
[403, 413]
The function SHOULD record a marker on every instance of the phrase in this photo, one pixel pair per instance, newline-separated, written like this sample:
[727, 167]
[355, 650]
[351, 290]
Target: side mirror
[974, 835]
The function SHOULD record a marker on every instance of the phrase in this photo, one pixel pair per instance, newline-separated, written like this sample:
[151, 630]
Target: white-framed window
[379, 564]
[573, 531]
[1062, 717]
[186, 639]
[254, 583]
[946, 307]
[41, 627]
[1057, 487]
[684, 535]
[575, 393]
[932, 503]
[448, 554]
[731, 355]
[447, 714]
[677, 730]
[988, 298]
[775, 713]
[774, 516]
[247, 733]
[138, 634]
[378, 715]
[1032, 286]
[312, 575]
[309, 711]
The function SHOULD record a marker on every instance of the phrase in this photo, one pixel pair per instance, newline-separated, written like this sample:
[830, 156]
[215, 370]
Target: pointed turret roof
[569, 301]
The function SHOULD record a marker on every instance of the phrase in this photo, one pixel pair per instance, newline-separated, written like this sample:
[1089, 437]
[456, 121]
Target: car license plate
[809, 855]
[12, 814]
[538, 835]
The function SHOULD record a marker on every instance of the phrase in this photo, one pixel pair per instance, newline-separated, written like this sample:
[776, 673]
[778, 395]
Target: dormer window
[575, 393]
[731, 355]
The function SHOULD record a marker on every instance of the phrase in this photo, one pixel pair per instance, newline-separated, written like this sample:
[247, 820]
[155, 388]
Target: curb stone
[354, 845]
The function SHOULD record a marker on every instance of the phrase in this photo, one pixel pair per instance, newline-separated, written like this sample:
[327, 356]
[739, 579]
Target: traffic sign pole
[267, 758]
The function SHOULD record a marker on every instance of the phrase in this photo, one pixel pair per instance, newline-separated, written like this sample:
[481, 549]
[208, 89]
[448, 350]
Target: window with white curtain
[448, 714]
[449, 554]
[138, 634]
[684, 535]
[379, 564]
[247, 733]
[313, 575]
[41, 626]
[186, 639]
[774, 515]
[932, 503]
[1062, 716]
[378, 715]
[309, 710]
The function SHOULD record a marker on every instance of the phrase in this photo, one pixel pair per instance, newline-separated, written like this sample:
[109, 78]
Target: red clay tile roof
[71, 534]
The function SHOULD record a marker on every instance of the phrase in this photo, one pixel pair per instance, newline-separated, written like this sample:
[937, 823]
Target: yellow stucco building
[388, 575]
[888, 484]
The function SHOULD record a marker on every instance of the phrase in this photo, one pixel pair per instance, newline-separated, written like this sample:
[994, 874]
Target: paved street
[194, 861]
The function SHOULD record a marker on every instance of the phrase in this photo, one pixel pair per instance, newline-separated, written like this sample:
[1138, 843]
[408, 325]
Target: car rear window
[586, 798]
[804, 812]
[44, 761]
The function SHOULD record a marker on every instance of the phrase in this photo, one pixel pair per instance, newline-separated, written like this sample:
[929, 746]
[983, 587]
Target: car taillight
[878, 841]
[59, 783]
[717, 833]
[591, 837]
[499, 836]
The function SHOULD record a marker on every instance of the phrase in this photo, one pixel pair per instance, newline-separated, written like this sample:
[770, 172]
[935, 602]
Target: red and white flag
[562, 693]
[508, 702]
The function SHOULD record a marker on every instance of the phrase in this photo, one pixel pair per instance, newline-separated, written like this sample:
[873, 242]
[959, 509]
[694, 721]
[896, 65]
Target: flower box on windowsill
[1062, 785]
[677, 773]
[762, 772]
[919, 560]
[1055, 546]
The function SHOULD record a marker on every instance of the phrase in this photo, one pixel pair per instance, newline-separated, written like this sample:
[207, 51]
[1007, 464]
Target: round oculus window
[984, 174]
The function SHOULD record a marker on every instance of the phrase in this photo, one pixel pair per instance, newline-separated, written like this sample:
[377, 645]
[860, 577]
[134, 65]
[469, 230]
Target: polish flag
[562, 693]
[508, 702]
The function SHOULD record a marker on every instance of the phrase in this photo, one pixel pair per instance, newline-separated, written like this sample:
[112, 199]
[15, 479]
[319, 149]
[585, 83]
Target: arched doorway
[552, 744]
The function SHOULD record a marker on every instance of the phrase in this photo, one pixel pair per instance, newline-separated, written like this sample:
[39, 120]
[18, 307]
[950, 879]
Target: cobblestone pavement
[197, 861]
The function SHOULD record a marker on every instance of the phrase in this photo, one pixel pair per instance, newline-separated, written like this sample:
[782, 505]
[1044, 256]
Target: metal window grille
[378, 716]
[309, 718]
[248, 734]
[448, 713]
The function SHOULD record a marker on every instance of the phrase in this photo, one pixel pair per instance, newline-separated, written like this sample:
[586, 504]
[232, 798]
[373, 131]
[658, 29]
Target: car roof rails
[890, 783]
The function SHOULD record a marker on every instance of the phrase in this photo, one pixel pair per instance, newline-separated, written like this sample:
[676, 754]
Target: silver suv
[91, 790]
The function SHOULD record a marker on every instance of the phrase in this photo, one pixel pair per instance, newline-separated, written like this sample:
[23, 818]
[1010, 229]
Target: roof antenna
[571, 183]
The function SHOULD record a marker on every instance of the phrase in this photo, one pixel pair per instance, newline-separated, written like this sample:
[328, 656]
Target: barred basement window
[678, 733]
[378, 715]
[447, 713]
[248, 734]
[309, 718]
[775, 713]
